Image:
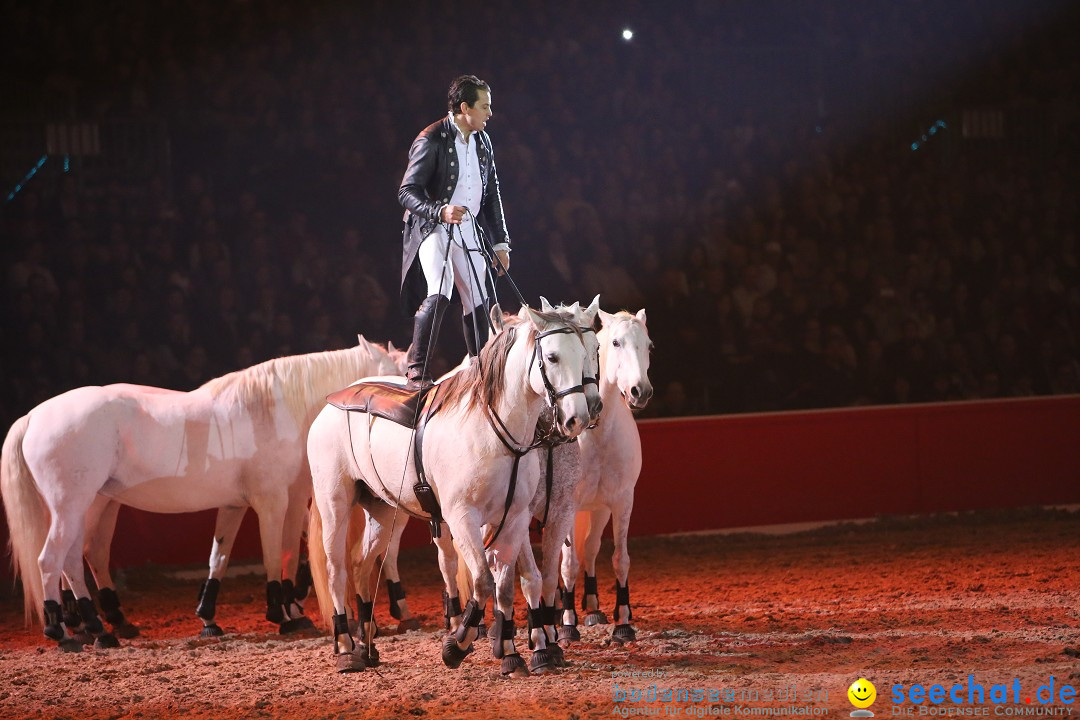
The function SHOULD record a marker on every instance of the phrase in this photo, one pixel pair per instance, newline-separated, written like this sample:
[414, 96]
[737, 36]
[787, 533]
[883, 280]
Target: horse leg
[399, 608]
[448, 566]
[568, 631]
[226, 526]
[502, 625]
[590, 599]
[295, 520]
[377, 536]
[96, 552]
[60, 553]
[620, 560]
[541, 615]
[271, 509]
[470, 545]
[334, 509]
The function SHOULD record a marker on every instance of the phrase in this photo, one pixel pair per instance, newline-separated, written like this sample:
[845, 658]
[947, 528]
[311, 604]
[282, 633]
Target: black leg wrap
[395, 592]
[303, 580]
[470, 617]
[207, 607]
[274, 599]
[497, 629]
[536, 620]
[451, 607]
[90, 617]
[71, 609]
[341, 624]
[551, 615]
[590, 589]
[288, 593]
[567, 597]
[622, 597]
[53, 629]
[110, 605]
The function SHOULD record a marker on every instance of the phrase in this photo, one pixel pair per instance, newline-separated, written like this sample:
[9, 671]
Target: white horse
[475, 455]
[235, 442]
[609, 458]
[587, 321]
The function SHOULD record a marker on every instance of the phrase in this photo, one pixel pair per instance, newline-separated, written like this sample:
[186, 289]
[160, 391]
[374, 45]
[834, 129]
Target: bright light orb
[627, 34]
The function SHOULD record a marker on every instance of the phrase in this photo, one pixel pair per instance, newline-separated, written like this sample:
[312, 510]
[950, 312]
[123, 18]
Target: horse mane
[482, 383]
[305, 380]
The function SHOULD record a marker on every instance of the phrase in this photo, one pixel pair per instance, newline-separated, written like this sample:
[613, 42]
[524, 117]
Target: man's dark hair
[465, 89]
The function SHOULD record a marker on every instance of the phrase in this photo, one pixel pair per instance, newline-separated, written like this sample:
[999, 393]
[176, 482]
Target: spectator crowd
[760, 178]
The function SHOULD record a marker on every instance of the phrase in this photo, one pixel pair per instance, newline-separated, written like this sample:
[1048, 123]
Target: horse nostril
[635, 391]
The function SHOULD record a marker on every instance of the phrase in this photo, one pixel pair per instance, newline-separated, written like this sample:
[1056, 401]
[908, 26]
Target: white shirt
[469, 191]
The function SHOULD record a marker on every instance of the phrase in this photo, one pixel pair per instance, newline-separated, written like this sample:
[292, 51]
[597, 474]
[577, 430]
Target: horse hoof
[126, 631]
[296, 625]
[70, 645]
[370, 657]
[349, 662]
[558, 658]
[568, 634]
[83, 638]
[106, 641]
[542, 661]
[452, 655]
[624, 634]
[513, 665]
[408, 624]
[596, 617]
[211, 630]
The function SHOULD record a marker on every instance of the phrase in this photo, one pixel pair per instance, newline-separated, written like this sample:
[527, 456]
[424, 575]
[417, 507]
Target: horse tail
[464, 578]
[320, 579]
[582, 524]
[27, 518]
[353, 540]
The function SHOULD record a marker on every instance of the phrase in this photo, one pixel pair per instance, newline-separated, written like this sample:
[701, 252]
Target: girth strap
[425, 495]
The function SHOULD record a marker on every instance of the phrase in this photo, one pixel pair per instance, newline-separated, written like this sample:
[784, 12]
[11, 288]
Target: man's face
[475, 118]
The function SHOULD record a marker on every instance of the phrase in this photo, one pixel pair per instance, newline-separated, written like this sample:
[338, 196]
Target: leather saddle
[387, 400]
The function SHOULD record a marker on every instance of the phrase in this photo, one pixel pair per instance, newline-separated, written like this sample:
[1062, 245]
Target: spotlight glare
[627, 34]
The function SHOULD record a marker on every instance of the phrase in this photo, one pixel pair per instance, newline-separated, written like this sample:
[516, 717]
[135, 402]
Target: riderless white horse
[608, 458]
[237, 441]
[474, 452]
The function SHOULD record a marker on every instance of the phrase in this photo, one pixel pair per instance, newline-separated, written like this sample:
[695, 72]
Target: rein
[507, 439]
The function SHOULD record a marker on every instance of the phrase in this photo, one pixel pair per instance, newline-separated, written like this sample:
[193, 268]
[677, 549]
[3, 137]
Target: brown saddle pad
[382, 399]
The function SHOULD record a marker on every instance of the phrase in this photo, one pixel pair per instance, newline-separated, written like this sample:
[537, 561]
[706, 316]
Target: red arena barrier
[707, 473]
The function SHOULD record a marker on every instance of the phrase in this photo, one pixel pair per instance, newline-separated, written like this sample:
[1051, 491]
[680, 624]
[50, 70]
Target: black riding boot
[425, 333]
[476, 327]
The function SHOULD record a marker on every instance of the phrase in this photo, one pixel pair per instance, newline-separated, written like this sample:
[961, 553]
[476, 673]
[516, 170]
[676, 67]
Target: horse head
[556, 373]
[387, 362]
[586, 320]
[624, 356]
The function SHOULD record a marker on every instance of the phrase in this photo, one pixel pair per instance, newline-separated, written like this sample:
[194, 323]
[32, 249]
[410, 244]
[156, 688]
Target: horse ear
[537, 321]
[360, 339]
[497, 320]
[523, 312]
[591, 311]
[606, 317]
[545, 305]
[390, 346]
[641, 316]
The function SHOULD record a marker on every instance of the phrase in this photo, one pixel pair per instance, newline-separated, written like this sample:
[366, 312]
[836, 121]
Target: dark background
[818, 203]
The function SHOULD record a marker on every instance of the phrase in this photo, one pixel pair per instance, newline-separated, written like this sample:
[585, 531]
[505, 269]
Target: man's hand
[452, 214]
[502, 258]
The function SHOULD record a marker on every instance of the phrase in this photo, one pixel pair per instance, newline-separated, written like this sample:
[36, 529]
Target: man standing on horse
[454, 224]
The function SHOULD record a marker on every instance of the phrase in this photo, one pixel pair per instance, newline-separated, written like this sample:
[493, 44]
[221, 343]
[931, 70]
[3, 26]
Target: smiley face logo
[862, 693]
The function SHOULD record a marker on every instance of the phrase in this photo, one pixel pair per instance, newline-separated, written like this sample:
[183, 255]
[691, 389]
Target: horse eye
[616, 343]
[553, 358]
